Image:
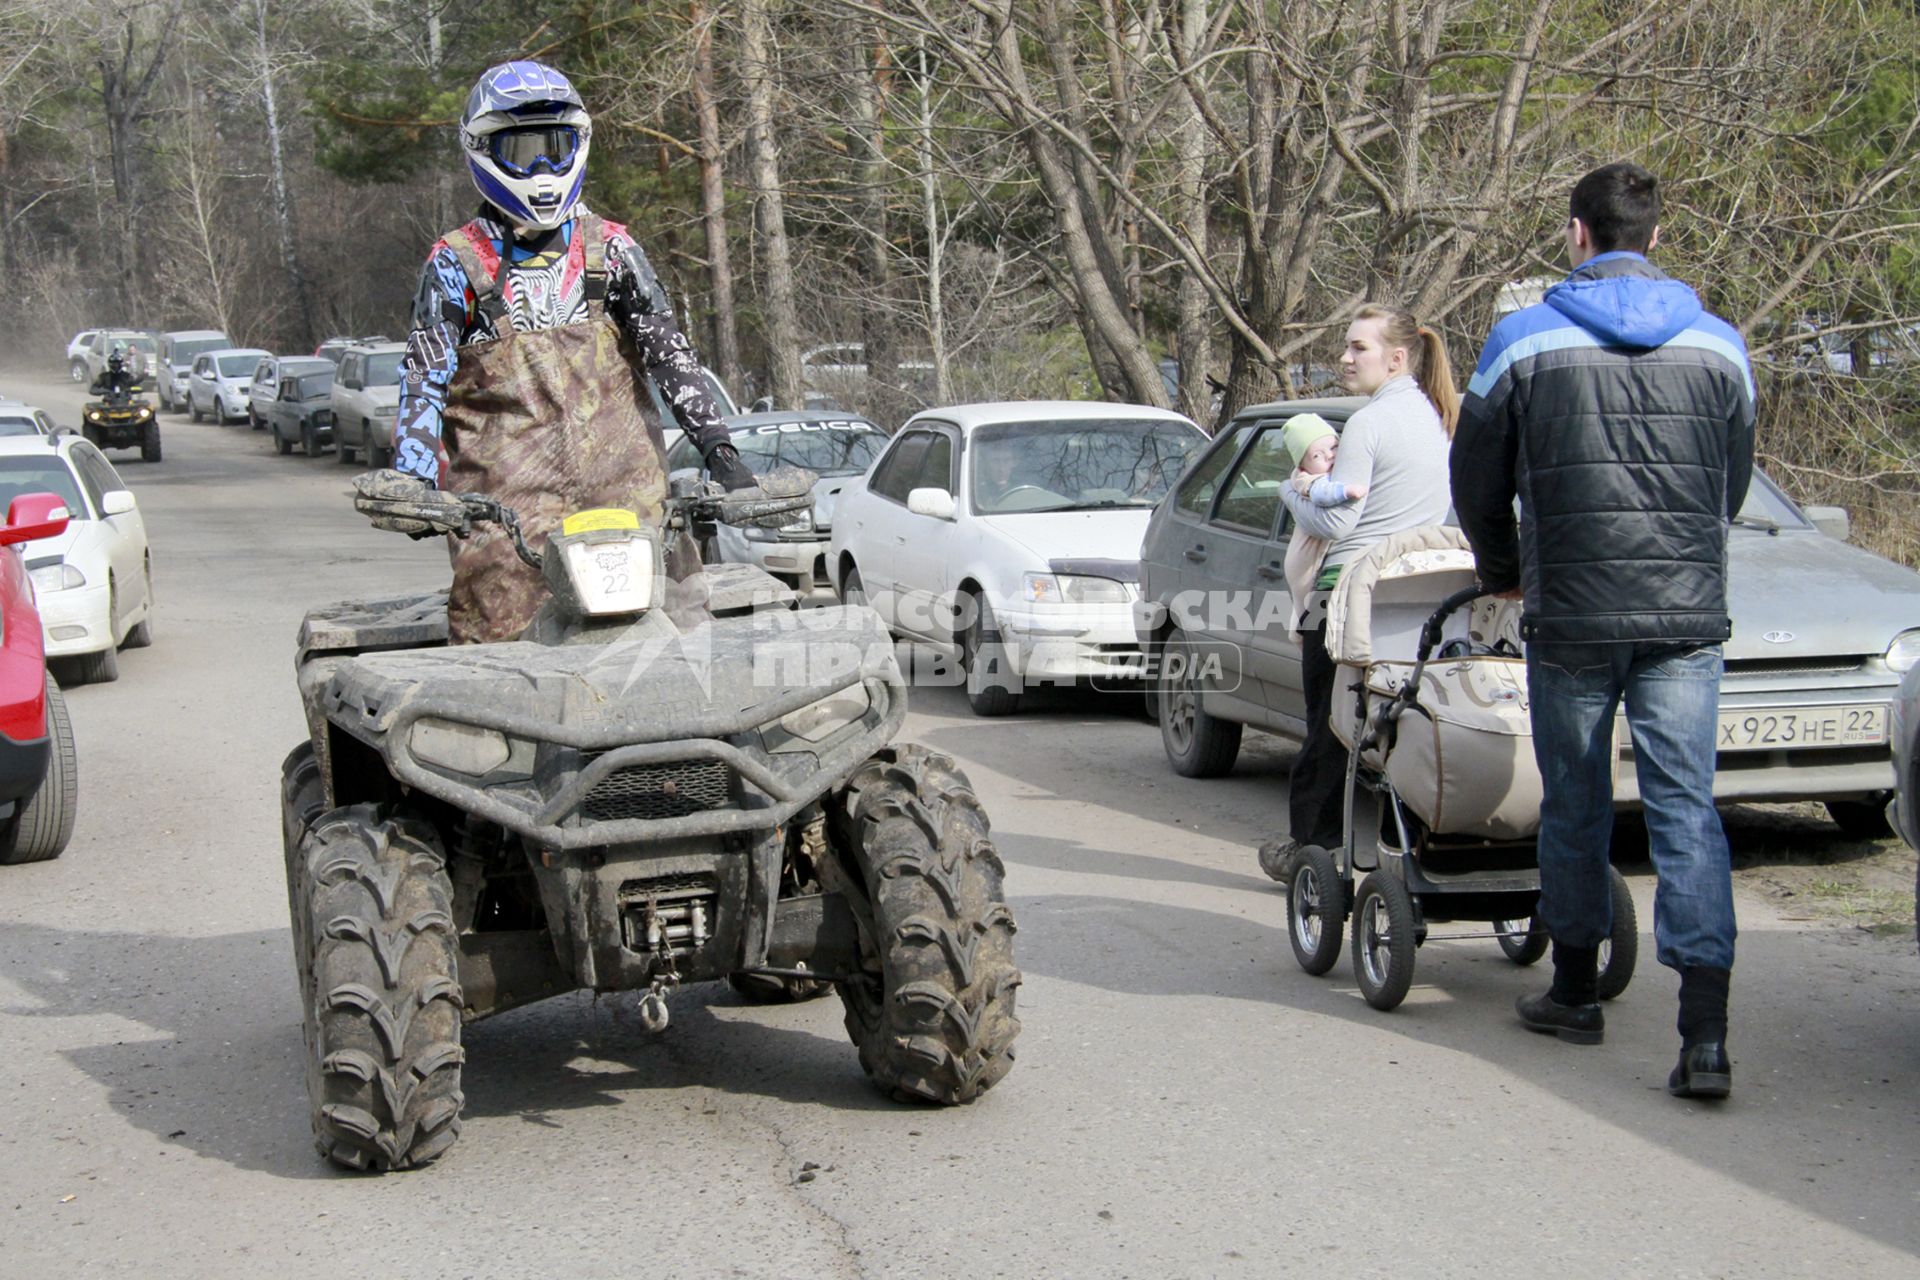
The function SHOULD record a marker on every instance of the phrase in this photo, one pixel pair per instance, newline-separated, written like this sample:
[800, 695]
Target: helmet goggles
[525, 150]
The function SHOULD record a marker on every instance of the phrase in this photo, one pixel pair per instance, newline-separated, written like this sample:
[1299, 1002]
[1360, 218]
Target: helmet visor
[531, 149]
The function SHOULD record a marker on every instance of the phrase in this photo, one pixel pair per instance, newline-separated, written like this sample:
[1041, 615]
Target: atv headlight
[1904, 652]
[817, 721]
[144, 412]
[463, 748]
[93, 415]
[57, 577]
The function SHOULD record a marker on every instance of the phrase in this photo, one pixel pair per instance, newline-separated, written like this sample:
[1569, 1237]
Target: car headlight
[1069, 588]
[57, 577]
[818, 721]
[463, 748]
[1904, 652]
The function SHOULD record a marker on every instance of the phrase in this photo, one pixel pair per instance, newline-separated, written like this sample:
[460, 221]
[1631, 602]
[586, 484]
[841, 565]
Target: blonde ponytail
[1426, 356]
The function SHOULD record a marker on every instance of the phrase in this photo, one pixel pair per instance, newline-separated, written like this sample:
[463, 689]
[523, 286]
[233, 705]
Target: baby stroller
[1442, 795]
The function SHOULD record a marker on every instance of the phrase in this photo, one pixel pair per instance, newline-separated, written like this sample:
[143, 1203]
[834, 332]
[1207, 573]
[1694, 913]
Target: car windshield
[1767, 506]
[1077, 465]
[313, 385]
[238, 366]
[40, 475]
[14, 425]
[138, 341]
[843, 447]
[185, 351]
[382, 370]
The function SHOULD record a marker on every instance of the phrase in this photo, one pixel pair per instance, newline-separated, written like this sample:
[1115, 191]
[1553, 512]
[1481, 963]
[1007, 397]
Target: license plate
[1770, 729]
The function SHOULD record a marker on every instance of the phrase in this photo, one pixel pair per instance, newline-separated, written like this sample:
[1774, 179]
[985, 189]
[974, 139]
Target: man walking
[1621, 414]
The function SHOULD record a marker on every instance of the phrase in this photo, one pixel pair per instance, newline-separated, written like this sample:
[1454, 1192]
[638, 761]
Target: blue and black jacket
[1620, 412]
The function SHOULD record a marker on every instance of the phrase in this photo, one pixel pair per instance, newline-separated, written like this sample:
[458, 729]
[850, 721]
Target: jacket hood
[1625, 302]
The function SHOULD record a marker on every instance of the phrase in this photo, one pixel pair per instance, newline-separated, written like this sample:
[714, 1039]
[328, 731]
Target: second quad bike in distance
[122, 418]
[623, 802]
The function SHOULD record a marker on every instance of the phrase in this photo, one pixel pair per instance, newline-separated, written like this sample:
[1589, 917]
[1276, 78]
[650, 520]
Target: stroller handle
[1430, 632]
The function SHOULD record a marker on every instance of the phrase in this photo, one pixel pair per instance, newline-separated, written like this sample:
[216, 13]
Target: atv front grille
[650, 791]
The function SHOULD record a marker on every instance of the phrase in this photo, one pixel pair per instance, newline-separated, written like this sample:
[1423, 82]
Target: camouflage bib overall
[548, 422]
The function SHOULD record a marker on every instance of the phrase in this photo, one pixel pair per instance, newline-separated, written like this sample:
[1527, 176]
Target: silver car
[835, 446]
[1822, 631]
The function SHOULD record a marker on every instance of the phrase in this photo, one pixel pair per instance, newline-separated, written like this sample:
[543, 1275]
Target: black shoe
[1702, 1072]
[1277, 856]
[1574, 1023]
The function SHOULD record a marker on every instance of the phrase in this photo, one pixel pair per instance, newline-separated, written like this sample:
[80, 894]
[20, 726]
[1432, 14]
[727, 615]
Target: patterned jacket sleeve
[647, 316]
[442, 312]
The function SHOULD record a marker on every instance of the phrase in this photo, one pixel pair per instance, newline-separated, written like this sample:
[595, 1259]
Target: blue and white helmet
[525, 132]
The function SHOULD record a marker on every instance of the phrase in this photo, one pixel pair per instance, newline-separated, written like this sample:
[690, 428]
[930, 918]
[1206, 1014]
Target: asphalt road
[1187, 1102]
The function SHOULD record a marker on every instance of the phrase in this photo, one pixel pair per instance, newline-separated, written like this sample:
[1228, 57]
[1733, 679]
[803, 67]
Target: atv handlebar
[691, 504]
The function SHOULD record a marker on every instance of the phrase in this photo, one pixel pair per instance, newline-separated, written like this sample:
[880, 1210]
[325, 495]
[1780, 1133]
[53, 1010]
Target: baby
[1312, 444]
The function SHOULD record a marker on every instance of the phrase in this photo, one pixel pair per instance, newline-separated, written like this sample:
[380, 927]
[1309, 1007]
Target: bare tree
[770, 217]
[131, 42]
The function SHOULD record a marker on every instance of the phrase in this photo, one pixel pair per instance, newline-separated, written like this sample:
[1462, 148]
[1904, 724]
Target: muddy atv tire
[303, 798]
[380, 983]
[933, 1012]
[42, 825]
[150, 442]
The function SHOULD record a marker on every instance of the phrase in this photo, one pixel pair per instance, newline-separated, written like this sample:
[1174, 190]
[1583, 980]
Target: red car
[39, 775]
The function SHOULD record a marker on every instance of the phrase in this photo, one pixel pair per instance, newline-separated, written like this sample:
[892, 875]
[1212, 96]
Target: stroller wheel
[1524, 941]
[1383, 940]
[1316, 910]
[1621, 949]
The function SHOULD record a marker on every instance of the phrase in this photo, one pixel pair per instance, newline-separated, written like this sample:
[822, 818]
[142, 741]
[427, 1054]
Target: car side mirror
[1832, 521]
[117, 502]
[937, 503]
[33, 516]
[763, 405]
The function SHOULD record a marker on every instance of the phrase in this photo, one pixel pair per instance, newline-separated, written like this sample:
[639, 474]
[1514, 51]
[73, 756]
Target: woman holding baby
[1388, 474]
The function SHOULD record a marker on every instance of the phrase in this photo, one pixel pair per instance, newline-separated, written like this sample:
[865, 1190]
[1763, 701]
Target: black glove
[407, 504]
[724, 465]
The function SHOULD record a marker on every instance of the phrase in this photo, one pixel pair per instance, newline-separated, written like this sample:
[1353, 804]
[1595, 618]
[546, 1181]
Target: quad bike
[122, 419]
[636, 793]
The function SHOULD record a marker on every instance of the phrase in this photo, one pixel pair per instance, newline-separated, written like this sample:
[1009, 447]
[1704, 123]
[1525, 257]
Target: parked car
[218, 382]
[265, 386]
[77, 354]
[837, 447]
[175, 362]
[94, 582]
[39, 774]
[1009, 535]
[334, 348]
[1822, 631]
[1906, 769]
[366, 399]
[302, 407]
[141, 348]
[17, 419]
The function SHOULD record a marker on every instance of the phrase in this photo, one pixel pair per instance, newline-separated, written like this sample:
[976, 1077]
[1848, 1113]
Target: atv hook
[654, 1014]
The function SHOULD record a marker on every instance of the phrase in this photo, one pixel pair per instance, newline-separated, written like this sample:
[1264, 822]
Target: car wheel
[380, 458]
[1198, 745]
[193, 407]
[1860, 819]
[852, 590]
[43, 823]
[993, 686]
[77, 370]
[280, 442]
[346, 453]
[309, 441]
[142, 634]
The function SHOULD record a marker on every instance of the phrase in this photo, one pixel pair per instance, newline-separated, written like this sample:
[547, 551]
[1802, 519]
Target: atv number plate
[612, 575]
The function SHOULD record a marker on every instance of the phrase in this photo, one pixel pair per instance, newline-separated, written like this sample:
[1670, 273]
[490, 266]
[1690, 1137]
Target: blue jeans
[1672, 695]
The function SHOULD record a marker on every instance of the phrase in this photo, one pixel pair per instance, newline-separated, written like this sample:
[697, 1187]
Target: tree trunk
[282, 195]
[770, 217]
[713, 205]
[1194, 308]
[887, 397]
[935, 235]
[125, 85]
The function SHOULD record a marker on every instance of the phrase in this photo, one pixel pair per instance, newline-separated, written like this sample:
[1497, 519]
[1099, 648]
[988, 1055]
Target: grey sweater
[1394, 444]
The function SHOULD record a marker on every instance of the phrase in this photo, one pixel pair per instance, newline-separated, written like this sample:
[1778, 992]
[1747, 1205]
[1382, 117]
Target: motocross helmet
[525, 132]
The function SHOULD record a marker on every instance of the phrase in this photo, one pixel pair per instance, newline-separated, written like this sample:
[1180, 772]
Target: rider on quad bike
[538, 319]
[116, 381]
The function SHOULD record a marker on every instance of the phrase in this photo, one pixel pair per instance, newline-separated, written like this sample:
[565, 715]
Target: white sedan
[1008, 535]
[93, 583]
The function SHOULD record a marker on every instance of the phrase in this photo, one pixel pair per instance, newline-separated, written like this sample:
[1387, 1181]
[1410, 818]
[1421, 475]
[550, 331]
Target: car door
[925, 544]
[1240, 580]
[879, 521]
[346, 411]
[125, 534]
[265, 386]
